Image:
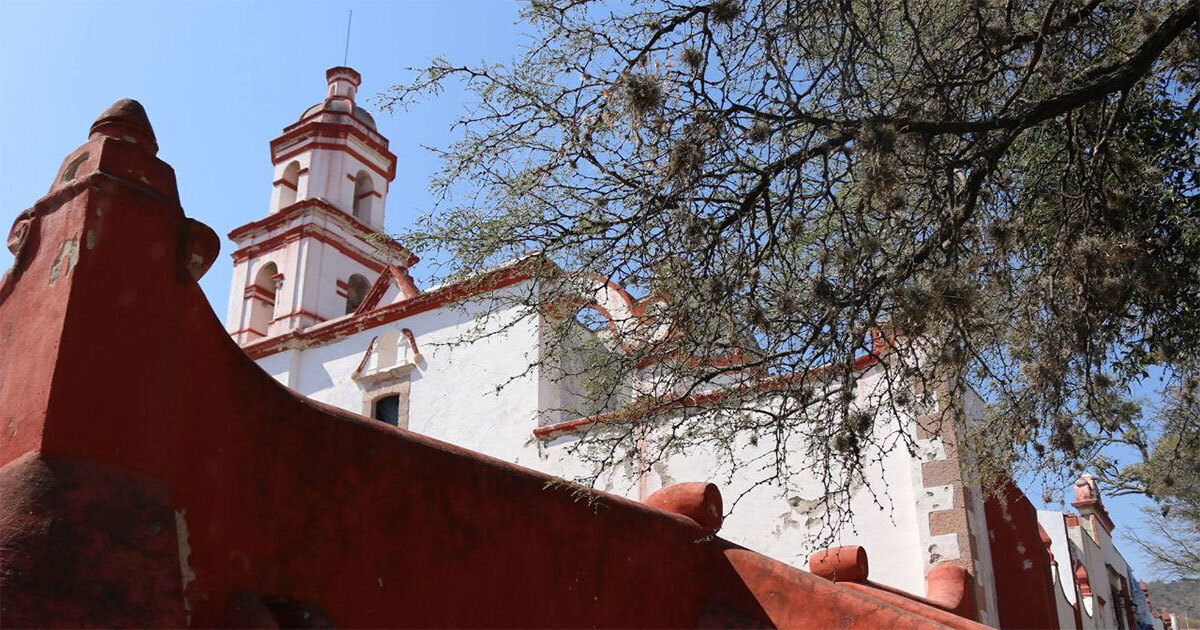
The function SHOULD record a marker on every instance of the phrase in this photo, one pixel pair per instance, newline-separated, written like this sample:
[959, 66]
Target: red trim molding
[657, 406]
[397, 275]
[301, 232]
[344, 71]
[1094, 507]
[254, 291]
[288, 213]
[389, 174]
[342, 327]
[316, 130]
[301, 313]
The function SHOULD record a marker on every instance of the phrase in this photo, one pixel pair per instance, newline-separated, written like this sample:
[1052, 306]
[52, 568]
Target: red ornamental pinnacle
[126, 120]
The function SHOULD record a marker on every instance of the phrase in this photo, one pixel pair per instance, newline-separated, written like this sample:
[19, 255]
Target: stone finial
[126, 120]
[1089, 503]
[1086, 489]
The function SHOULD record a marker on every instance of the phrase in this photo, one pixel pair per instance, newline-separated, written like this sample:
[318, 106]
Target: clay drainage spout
[951, 587]
[697, 500]
[948, 586]
[840, 564]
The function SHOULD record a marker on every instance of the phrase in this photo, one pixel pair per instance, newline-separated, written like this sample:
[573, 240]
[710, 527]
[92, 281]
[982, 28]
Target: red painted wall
[284, 510]
[1020, 562]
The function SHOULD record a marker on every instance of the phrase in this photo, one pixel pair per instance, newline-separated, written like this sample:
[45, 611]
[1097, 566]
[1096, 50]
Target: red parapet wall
[1020, 561]
[201, 492]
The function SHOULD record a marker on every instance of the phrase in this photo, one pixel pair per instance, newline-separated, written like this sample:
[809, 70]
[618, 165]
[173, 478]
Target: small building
[1095, 586]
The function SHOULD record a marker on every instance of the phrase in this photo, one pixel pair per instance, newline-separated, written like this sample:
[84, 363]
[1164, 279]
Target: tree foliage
[994, 195]
[1172, 541]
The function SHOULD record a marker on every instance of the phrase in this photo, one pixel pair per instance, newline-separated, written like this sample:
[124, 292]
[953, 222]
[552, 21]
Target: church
[349, 450]
[325, 303]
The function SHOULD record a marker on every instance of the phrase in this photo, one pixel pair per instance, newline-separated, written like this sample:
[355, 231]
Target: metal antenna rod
[346, 53]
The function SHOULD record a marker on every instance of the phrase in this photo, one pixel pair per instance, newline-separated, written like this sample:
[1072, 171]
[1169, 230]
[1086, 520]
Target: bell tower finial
[343, 82]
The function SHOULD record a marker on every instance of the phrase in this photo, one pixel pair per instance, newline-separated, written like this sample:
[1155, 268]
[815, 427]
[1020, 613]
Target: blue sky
[220, 79]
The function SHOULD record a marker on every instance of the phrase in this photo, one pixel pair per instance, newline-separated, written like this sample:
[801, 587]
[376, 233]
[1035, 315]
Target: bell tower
[320, 247]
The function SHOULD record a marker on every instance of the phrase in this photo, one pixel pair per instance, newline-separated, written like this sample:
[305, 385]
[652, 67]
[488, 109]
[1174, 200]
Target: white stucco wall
[787, 523]
[485, 396]
[1065, 595]
[303, 162]
[480, 395]
[1092, 546]
[975, 409]
[331, 177]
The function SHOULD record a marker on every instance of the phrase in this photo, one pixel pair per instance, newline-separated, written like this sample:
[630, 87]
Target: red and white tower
[320, 247]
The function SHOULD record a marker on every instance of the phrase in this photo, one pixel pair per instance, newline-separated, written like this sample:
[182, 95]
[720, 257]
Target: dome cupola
[339, 99]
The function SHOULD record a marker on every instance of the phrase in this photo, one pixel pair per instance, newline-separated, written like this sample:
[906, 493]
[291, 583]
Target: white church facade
[324, 302]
